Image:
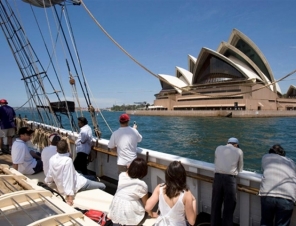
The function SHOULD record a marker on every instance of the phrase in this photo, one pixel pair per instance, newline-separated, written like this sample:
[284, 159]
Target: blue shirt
[7, 116]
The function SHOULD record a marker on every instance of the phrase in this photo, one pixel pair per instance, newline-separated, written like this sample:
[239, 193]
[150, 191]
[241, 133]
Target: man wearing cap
[24, 160]
[228, 163]
[125, 140]
[49, 151]
[83, 146]
[7, 124]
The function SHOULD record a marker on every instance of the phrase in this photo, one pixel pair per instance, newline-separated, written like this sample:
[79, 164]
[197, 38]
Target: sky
[160, 34]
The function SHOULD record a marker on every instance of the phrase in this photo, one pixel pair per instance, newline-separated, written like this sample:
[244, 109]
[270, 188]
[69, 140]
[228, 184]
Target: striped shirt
[279, 177]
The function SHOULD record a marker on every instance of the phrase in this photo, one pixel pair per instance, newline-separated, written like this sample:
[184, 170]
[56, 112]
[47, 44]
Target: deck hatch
[29, 210]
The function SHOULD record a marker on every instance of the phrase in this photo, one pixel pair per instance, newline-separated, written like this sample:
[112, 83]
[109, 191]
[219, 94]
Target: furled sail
[48, 3]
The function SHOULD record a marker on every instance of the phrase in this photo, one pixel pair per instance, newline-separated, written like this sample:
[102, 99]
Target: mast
[35, 77]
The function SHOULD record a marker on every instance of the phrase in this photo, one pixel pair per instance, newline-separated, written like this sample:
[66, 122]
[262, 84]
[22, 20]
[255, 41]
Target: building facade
[235, 77]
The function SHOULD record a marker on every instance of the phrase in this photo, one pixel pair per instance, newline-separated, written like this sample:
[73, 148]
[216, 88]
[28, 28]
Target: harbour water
[197, 137]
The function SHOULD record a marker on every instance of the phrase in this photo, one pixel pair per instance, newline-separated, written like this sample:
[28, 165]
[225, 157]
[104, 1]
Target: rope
[24, 103]
[160, 78]
[74, 93]
[129, 55]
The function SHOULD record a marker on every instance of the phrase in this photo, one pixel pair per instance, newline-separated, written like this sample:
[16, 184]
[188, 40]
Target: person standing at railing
[7, 124]
[124, 140]
[228, 163]
[278, 187]
[83, 146]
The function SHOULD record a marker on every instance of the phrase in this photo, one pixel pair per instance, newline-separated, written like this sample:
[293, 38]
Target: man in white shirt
[228, 163]
[49, 151]
[83, 146]
[67, 179]
[24, 160]
[125, 140]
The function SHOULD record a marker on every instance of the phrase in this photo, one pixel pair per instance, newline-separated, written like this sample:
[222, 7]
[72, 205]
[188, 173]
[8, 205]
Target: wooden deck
[5, 159]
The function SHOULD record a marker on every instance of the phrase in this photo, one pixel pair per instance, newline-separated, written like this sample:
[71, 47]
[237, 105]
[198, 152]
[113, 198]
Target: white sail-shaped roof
[174, 82]
[249, 48]
[186, 75]
[192, 58]
[245, 68]
[237, 68]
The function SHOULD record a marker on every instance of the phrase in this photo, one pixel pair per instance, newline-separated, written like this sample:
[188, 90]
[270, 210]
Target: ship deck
[111, 185]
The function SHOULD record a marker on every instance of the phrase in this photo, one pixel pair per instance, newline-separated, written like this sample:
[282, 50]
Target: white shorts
[8, 132]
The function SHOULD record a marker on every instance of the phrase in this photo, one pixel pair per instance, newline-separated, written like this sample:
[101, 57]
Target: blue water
[198, 137]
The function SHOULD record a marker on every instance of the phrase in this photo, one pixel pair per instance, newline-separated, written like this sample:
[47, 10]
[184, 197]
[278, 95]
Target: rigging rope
[160, 78]
[129, 55]
[88, 100]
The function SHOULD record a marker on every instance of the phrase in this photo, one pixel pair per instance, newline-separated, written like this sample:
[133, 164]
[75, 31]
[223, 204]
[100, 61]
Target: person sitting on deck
[127, 207]
[49, 151]
[175, 200]
[24, 160]
[67, 179]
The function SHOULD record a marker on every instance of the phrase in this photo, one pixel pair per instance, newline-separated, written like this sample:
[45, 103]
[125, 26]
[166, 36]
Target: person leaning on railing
[278, 187]
[228, 163]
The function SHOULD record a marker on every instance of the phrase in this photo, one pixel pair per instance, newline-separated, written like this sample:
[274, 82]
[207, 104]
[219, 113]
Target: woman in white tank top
[176, 202]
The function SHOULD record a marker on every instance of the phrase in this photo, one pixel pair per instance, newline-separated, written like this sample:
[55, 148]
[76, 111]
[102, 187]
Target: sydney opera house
[236, 76]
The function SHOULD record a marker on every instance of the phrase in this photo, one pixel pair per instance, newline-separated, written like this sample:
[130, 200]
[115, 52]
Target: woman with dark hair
[175, 200]
[127, 207]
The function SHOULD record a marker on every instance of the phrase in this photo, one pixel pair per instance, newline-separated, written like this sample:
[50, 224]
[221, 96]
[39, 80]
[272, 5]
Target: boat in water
[47, 97]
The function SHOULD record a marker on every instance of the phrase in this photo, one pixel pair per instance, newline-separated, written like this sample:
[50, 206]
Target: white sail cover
[44, 3]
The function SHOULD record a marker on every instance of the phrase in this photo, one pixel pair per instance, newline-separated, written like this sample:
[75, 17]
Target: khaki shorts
[2, 133]
[9, 132]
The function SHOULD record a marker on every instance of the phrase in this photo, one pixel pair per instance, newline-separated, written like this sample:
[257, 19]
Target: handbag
[98, 216]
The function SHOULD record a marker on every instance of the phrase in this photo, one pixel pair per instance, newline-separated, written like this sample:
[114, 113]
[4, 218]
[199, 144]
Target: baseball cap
[3, 101]
[54, 137]
[124, 118]
[25, 130]
[233, 140]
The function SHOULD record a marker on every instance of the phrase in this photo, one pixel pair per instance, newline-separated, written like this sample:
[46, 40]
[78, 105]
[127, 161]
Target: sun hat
[233, 140]
[54, 137]
[124, 118]
[3, 101]
[25, 130]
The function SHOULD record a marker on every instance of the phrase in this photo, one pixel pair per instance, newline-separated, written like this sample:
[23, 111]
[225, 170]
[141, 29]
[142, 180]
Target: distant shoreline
[216, 113]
